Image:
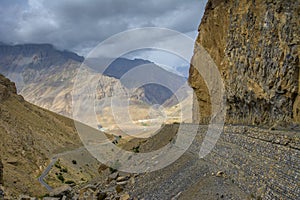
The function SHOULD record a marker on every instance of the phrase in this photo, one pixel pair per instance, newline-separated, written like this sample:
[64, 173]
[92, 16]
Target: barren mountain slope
[29, 137]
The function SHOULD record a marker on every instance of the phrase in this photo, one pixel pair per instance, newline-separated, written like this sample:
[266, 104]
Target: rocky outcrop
[6, 88]
[255, 45]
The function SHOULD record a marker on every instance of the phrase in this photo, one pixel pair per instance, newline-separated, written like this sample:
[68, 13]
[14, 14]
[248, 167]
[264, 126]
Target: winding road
[45, 173]
[52, 162]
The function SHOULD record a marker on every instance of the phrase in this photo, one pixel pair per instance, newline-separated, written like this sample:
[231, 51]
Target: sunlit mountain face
[45, 76]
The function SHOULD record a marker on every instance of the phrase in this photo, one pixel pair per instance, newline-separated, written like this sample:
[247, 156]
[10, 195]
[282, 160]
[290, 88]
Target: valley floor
[246, 163]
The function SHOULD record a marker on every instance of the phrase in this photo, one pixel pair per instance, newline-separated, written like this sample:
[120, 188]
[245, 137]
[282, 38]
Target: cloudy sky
[78, 25]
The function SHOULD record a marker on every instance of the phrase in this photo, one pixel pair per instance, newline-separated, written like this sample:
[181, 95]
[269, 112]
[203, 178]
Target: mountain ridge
[45, 75]
[25, 144]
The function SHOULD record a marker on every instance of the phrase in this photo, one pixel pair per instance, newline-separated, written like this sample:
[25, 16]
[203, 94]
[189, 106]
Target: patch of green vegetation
[136, 149]
[74, 162]
[64, 170]
[61, 178]
[57, 164]
[144, 124]
[112, 170]
[115, 142]
[117, 139]
[69, 182]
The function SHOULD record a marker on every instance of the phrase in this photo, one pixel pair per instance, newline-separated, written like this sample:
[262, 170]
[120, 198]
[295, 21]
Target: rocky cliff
[7, 88]
[255, 45]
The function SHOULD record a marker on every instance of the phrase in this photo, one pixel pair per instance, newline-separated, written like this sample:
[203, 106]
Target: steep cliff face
[255, 45]
[7, 88]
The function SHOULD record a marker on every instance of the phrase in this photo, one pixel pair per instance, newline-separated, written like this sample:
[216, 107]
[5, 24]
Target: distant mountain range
[45, 76]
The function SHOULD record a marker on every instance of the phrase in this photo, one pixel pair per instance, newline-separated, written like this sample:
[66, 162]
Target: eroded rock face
[6, 88]
[255, 45]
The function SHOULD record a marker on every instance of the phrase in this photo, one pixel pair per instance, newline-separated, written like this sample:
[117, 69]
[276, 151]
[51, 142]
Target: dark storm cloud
[80, 24]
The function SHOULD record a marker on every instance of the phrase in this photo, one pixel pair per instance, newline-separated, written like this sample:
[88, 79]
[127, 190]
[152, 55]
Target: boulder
[122, 183]
[125, 197]
[101, 196]
[61, 191]
[219, 174]
[26, 197]
[122, 178]
[119, 188]
[113, 176]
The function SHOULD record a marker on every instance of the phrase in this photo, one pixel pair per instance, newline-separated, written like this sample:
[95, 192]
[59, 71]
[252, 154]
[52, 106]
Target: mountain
[154, 94]
[45, 76]
[161, 81]
[256, 50]
[114, 69]
[29, 137]
[42, 73]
